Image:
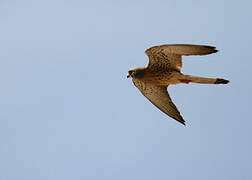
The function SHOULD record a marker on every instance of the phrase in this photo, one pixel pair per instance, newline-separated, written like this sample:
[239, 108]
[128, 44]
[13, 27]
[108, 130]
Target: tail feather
[202, 80]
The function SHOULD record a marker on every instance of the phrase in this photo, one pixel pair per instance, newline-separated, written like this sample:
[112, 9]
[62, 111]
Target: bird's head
[136, 72]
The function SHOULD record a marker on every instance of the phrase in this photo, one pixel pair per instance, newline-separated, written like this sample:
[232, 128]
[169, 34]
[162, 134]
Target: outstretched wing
[170, 56]
[158, 95]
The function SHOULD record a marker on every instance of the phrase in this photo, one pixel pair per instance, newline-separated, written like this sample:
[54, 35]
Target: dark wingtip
[215, 51]
[212, 49]
[221, 81]
[182, 121]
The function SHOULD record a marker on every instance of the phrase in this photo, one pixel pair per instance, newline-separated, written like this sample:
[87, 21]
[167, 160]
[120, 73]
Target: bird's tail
[194, 79]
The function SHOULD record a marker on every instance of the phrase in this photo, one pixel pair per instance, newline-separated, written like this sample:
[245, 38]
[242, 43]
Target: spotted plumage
[164, 69]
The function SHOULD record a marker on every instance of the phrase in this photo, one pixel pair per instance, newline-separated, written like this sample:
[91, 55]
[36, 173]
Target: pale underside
[165, 63]
[158, 95]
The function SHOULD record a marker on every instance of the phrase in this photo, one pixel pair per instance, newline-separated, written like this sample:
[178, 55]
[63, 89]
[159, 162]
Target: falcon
[164, 69]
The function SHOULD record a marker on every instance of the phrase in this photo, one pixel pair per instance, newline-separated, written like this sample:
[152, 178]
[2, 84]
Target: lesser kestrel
[164, 69]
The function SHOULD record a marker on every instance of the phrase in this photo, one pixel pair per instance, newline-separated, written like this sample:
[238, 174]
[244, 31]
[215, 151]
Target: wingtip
[212, 49]
[183, 122]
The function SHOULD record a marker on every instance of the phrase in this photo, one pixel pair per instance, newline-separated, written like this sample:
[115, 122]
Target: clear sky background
[67, 110]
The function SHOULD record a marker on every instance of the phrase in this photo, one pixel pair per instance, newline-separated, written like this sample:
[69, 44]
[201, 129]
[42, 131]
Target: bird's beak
[128, 75]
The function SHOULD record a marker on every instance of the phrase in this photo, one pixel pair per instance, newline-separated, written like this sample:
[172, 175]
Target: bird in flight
[164, 69]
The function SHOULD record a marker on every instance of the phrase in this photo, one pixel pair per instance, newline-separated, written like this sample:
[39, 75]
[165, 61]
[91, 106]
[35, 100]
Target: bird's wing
[170, 56]
[158, 95]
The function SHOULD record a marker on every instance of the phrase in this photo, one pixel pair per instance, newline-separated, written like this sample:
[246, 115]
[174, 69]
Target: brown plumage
[165, 63]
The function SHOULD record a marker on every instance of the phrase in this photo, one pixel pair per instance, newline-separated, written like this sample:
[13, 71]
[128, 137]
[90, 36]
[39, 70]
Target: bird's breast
[161, 77]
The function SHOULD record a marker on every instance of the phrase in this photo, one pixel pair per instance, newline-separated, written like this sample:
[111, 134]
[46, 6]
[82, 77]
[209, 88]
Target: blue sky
[69, 112]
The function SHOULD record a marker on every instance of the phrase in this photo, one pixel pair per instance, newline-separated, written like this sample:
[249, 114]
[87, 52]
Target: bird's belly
[164, 79]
